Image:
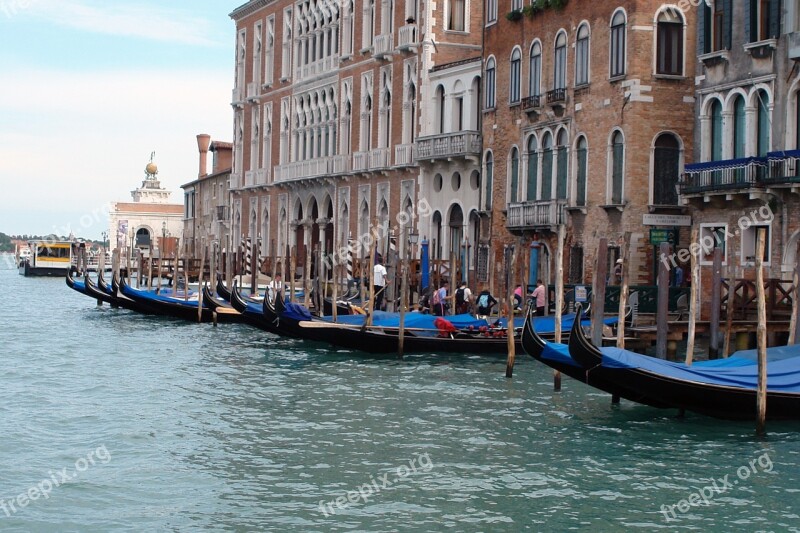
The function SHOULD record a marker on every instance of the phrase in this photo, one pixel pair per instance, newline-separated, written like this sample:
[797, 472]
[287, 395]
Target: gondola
[251, 313]
[158, 304]
[724, 388]
[557, 357]
[95, 292]
[75, 284]
[294, 321]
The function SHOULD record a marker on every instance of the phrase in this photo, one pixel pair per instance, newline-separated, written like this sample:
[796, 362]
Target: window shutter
[775, 19]
[727, 25]
[750, 21]
[704, 35]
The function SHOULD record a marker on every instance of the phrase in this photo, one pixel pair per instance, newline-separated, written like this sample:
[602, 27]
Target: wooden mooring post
[730, 308]
[623, 290]
[662, 309]
[793, 322]
[716, 302]
[761, 335]
[599, 291]
[562, 230]
[512, 253]
[694, 272]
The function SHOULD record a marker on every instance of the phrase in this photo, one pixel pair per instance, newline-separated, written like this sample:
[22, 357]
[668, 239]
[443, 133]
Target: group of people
[439, 299]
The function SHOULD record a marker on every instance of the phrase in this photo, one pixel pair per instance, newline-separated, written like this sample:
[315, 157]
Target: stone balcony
[237, 95]
[250, 178]
[253, 90]
[312, 168]
[536, 214]
[448, 146]
[236, 180]
[403, 155]
[320, 67]
[407, 37]
[382, 45]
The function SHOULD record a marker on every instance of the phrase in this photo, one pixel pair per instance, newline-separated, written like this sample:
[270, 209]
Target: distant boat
[47, 258]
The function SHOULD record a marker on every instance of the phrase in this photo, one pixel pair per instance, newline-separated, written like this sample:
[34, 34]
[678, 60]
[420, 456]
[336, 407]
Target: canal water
[112, 421]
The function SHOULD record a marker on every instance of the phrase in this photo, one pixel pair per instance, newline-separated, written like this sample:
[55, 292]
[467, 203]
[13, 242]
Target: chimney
[203, 140]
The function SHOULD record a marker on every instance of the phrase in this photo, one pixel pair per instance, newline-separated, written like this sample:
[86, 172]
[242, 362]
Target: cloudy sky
[91, 88]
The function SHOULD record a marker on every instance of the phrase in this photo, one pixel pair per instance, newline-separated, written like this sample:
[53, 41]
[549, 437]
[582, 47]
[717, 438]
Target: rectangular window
[516, 5]
[670, 48]
[713, 236]
[750, 242]
[576, 265]
[456, 16]
[490, 84]
[582, 62]
[617, 157]
[759, 20]
[491, 11]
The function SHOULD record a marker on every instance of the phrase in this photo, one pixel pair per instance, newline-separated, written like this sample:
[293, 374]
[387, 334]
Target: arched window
[514, 175]
[514, 81]
[533, 169]
[437, 235]
[490, 83]
[547, 168]
[560, 61]
[489, 175]
[762, 136]
[582, 55]
[669, 47]
[739, 128]
[535, 80]
[716, 130]
[561, 165]
[666, 169]
[440, 99]
[618, 45]
[580, 174]
[617, 167]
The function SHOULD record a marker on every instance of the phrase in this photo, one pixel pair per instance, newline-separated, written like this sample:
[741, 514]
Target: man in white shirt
[275, 286]
[379, 282]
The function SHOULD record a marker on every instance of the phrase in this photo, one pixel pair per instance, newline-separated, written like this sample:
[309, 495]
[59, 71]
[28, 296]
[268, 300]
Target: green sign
[659, 235]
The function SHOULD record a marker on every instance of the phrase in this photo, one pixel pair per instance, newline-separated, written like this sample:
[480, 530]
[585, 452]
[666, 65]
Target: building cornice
[248, 9]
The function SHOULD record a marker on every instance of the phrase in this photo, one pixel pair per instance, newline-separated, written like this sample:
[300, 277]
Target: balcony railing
[407, 36]
[379, 158]
[250, 178]
[321, 166]
[557, 96]
[382, 45]
[449, 145]
[237, 95]
[403, 154]
[531, 102]
[317, 68]
[253, 90]
[778, 168]
[536, 214]
[360, 160]
[236, 180]
[262, 176]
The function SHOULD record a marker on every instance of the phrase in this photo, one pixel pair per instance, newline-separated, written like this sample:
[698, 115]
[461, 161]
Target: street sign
[581, 295]
[661, 219]
[668, 235]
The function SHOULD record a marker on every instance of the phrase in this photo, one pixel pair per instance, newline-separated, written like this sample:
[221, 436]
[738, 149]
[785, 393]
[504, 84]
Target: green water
[168, 426]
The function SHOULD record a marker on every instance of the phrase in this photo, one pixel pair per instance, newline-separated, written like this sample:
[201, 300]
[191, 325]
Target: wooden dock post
[716, 299]
[623, 290]
[403, 292]
[254, 251]
[694, 287]
[599, 291]
[662, 309]
[292, 271]
[562, 231]
[730, 307]
[510, 308]
[335, 295]
[199, 284]
[371, 283]
[761, 334]
[793, 322]
[307, 255]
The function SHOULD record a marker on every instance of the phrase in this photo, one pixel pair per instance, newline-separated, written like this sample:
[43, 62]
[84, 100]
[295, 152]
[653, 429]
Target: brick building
[587, 122]
[747, 135]
[331, 119]
[207, 199]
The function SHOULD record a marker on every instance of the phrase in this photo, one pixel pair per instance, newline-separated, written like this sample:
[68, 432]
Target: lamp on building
[413, 237]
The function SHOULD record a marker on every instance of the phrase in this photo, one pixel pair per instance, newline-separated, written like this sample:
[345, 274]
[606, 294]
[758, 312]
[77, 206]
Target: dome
[151, 168]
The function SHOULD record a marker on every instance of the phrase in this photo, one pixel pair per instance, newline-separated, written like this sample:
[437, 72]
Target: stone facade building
[587, 122]
[747, 135]
[333, 124]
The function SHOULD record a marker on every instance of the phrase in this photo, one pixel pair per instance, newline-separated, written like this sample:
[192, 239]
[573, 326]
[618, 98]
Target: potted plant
[514, 15]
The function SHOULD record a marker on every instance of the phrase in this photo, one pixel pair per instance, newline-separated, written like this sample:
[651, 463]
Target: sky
[89, 88]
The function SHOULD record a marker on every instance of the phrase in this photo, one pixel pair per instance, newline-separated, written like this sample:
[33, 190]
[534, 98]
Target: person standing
[463, 298]
[275, 287]
[539, 295]
[485, 303]
[440, 300]
[379, 282]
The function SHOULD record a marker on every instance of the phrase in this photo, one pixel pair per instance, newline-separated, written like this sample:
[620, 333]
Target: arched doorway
[456, 223]
[143, 238]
